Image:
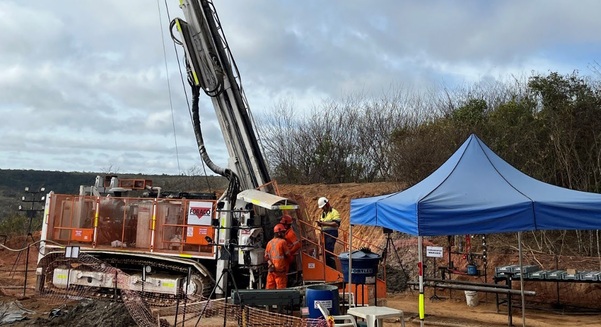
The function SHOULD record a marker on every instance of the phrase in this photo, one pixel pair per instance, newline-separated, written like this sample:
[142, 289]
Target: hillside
[340, 196]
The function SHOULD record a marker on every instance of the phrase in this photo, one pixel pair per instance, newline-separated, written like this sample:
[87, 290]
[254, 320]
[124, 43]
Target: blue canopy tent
[477, 192]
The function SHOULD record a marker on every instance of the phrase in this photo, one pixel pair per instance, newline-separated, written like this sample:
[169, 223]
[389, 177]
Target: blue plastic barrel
[327, 295]
[472, 270]
[364, 265]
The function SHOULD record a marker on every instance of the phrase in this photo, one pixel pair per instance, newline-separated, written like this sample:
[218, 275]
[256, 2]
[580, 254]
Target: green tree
[570, 107]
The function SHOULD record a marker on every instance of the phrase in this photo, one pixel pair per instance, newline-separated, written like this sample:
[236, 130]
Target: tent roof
[477, 192]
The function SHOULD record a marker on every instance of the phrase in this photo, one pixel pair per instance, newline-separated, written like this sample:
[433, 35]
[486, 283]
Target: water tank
[364, 266]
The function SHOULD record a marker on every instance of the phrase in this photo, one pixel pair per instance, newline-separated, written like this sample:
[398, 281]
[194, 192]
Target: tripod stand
[225, 254]
[390, 243]
[435, 296]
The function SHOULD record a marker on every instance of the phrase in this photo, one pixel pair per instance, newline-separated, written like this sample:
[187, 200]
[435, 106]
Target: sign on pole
[434, 251]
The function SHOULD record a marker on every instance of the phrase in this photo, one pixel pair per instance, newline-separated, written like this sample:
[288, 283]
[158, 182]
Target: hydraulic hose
[234, 183]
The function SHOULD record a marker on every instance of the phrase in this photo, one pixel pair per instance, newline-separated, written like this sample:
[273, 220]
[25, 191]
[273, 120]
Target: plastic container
[327, 295]
[472, 270]
[471, 297]
[364, 266]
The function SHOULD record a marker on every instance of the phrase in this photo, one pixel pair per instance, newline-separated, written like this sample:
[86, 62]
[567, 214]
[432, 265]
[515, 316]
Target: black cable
[175, 40]
[218, 89]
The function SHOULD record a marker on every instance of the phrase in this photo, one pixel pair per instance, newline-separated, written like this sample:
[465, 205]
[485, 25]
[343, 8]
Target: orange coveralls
[293, 243]
[277, 252]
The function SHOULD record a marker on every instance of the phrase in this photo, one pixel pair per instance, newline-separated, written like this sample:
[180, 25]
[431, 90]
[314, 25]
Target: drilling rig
[165, 242]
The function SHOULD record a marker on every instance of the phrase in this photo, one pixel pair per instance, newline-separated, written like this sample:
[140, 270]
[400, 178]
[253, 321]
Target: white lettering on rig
[200, 213]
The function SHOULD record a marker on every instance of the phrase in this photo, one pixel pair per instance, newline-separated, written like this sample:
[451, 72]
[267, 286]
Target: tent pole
[522, 280]
[420, 266]
[350, 263]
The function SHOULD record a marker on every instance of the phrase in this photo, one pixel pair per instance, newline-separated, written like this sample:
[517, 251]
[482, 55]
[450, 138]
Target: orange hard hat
[279, 228]
[286, 219]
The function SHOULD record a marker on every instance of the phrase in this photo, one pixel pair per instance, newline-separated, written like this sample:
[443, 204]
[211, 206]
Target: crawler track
[120, 266]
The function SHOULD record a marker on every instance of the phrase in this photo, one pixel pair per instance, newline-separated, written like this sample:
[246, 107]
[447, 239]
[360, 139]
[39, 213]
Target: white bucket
[471, 297]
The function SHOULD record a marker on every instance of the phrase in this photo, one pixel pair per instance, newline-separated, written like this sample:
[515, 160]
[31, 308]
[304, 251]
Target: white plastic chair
[339, 320]
[348, 298]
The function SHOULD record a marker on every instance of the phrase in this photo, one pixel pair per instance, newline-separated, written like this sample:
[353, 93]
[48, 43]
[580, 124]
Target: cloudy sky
[95, 86]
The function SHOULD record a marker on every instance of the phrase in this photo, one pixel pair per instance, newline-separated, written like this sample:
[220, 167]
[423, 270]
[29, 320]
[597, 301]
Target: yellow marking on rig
[168, 284]
[287, 207]
[61, 276]
[183, 255]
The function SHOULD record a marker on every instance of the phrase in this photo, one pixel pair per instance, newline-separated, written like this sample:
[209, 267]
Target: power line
[168, 83]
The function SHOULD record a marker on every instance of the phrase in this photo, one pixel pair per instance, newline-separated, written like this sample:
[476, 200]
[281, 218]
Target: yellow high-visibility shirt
[333, 215]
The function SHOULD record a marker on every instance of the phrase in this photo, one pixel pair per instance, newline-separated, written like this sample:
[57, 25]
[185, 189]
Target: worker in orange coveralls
[277, 256]
[290, 236]
[294, 246]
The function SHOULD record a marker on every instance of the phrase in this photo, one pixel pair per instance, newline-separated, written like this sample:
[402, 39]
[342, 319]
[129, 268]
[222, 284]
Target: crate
[555, 274]
[527, 269]
[541, 274]
[590, 275]
[571, 276]
[505, 270]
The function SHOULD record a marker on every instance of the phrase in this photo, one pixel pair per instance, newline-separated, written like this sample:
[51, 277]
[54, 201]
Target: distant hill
[13, 183]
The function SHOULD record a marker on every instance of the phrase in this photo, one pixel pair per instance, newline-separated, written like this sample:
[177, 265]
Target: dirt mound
[339, 196]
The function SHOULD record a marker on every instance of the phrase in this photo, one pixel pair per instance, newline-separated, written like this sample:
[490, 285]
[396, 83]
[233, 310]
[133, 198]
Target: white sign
[434, 251]
[200, 213]
[324, 303]
[72, 252]
[370, 279]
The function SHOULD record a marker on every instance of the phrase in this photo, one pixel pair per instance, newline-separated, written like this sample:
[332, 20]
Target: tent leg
[350, 262]
[522, 280]
[422, 311]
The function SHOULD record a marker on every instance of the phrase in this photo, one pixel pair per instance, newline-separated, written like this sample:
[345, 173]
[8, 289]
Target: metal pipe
[421, 302]
[461, 282]
[350, 265]
[478, 288]
[522, 281]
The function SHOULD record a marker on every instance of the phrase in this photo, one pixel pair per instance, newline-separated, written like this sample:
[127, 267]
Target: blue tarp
[477, 192]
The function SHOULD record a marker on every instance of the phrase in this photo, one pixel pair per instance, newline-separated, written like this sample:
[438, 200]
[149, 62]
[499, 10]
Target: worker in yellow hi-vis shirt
[329, 223]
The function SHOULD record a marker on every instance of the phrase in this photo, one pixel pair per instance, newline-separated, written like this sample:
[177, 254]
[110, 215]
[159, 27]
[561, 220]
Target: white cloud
[83, 84]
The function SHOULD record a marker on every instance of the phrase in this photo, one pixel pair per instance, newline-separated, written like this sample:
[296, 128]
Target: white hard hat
[322, 202]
